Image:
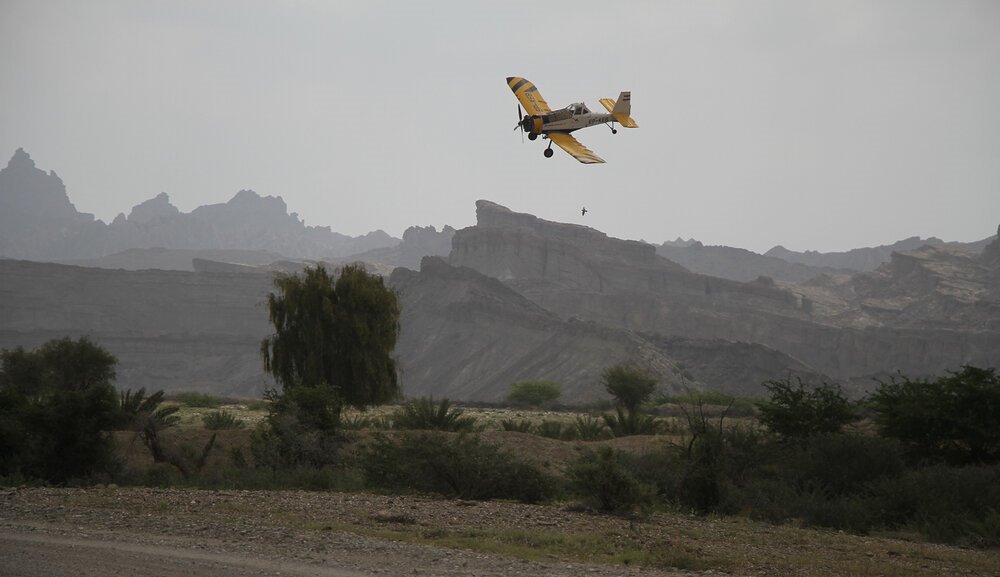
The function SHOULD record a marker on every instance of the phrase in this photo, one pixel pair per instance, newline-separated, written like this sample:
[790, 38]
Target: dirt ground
[153, 532]
[173, 532]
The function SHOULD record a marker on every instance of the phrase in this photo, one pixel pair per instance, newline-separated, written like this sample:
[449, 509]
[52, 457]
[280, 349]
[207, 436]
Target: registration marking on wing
[528, 95]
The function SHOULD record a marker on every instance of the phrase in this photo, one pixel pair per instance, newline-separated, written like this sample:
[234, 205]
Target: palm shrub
[520, 426]
[623, 424]
[589, 428]
[425, 414]
[357, 422]
[221, 420]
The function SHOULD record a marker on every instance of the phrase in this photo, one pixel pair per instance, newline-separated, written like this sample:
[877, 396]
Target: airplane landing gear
[612, 127]
[548, 152]
[532, 136]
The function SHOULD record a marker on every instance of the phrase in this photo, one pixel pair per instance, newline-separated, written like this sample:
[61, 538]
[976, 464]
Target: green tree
[796, 411]
[333, 342]
[630, 386]
[953, 417]
[56, 405]
[535, 392]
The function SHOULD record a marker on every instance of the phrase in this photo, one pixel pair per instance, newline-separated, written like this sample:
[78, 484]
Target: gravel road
[173, 533]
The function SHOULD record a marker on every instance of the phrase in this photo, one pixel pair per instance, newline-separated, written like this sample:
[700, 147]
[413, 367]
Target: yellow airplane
[556, 125]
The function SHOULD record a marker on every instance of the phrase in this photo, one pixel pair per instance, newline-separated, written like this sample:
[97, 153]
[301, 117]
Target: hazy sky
[817, 125]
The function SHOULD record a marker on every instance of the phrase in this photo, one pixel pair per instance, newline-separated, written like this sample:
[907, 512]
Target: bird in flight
[583, 211]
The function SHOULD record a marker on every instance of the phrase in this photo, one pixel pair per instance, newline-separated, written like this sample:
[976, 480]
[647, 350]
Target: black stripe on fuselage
[518, 86]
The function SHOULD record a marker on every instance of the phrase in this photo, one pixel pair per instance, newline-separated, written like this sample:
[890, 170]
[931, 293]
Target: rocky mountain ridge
[868, 258]
[38, 222]
[514, 297]
[577, 272]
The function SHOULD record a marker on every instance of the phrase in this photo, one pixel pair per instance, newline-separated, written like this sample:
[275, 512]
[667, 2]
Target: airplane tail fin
[621, 109]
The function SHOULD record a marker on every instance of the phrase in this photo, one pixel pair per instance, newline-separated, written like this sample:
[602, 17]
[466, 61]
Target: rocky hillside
[931, 288]
[468, 336]
[868, 258]
[464, 335]
[38, 222]
[575, 271]
[739, 264]
[170, 330]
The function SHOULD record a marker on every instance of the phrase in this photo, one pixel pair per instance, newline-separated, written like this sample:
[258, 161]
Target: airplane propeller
[519, 123]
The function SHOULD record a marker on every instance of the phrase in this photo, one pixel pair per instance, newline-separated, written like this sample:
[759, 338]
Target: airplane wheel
[548, 153]
[614, 131]
[532, 136]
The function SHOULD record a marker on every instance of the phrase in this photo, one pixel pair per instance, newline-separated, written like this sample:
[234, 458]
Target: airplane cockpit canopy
[578, 108]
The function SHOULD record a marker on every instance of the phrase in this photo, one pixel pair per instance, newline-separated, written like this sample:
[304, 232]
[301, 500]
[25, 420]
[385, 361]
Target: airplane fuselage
[577, 122]
[563, 120]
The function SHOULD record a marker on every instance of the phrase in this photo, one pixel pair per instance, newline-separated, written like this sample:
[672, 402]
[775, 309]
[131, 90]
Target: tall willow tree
[333, 342]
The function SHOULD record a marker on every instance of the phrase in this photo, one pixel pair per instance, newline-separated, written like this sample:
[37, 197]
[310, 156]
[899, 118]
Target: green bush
[953, 418]
[426, 415]
[56, 405]
[956, 505]
[841, 464]
[284, 442]
[719, 470]
[196, 400]
[455, 466]
[734, 406]
[221, 420]
[555, 430]
[796, 412]
[535, 392]
[605, 480]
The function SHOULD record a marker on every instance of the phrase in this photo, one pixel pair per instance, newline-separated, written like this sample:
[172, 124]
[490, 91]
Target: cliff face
[469, 336]
[464, 335]
[169, 329]
[578, 272]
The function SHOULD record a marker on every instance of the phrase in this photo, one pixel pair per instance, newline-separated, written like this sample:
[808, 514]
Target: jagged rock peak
[155, 208]
[21, 159]
[249, 197]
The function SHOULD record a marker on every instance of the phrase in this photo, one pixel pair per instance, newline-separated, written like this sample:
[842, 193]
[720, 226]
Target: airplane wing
[573, 146]
[528, 95]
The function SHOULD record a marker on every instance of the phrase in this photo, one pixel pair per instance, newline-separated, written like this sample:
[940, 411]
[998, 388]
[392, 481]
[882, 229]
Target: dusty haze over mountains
[825, 125]
[514, 297]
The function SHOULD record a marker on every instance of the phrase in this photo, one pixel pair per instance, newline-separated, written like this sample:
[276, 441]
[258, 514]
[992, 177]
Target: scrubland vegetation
[917, 458]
